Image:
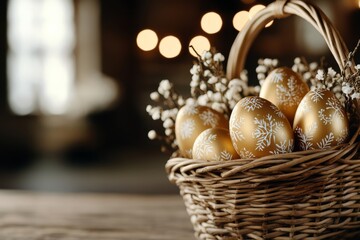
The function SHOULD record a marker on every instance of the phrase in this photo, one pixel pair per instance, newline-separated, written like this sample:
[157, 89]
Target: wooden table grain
[80, 216]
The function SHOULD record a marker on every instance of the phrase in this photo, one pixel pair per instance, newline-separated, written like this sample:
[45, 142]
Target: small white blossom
[275, 62]
[355, 95]
[261, 69]
[301, 68]
[155, 115]
[297, 60]
[190, 101]
[195, 77]
[243, 76]
[357, 67]
[307, 76]
[213, 80]
[207, 73]
[206, 55]
[267, 61]
[165, 85]
[347, 89]
[218, 57]
[313, 66]
[168, 131]
[165, 114]
[203, 100]
[194, 84]
[261, 76]
[331, 72]
[180, 101]
[173, 112]
[218, 107]
[232, 94]
[320, 74]
[203, 86]
[155, 96]
[152, 134]
[195, 69]
[216, 97]
[232, 104]
[168, 123]
[148, 108]
[166, 94]
[338, 95]
[220, 87]
[349, 64]
[257, 89]
[235, 82]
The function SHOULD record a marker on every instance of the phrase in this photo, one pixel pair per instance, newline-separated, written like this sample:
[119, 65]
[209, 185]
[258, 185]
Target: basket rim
[279, 166]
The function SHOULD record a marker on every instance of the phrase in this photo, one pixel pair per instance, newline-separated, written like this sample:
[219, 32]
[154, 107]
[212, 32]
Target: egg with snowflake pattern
[191, 120]
[320, 121]
[258, 128]
[214, 144]
[284, 88]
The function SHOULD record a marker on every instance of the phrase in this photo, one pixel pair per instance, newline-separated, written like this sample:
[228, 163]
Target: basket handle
[281, 9]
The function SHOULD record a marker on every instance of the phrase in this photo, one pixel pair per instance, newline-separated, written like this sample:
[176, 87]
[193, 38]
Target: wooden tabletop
[75, 216]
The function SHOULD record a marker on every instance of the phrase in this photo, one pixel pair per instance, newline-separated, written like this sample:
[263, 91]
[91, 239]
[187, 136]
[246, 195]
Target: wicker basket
[301, 195]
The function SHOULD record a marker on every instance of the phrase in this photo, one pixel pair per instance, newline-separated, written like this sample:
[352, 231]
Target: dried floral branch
[208, 87]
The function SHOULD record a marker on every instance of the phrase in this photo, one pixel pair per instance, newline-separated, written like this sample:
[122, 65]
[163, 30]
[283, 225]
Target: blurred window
[41, 64]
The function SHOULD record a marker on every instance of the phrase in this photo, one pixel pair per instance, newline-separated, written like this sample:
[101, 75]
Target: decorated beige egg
[191, 120]
[320, 121]
[284, 88]
[258, 128]
[214, 144]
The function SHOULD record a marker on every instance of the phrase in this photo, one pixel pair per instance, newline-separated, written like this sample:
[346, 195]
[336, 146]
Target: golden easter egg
[258, 128]
[214, 144]
[284, 88]
[320, 121]
[191, 120]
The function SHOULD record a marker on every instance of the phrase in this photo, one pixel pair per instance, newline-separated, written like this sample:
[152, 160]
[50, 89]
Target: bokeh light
[240, 19]
[211, 22]
[170, 46]
[147, 40]
[200, 43]
[255, 9]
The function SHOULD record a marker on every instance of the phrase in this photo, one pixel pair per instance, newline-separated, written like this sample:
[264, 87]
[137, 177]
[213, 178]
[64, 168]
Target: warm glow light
[211, 22]
[359, 3]
[170, 46]
[269, 24]
[147, 40]
[240, 19]
[255, 9]
[200, 43]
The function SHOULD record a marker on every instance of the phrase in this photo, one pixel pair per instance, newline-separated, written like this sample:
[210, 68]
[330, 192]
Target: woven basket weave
[311, 194]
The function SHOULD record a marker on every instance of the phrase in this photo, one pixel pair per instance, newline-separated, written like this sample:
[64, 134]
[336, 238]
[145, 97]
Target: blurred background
[75, 79]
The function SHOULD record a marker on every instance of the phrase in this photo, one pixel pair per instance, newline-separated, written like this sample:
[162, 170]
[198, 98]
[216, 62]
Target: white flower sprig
[345, 85]
[351, 82]
[168, 104]
[265, 66]
[210, 87]
[317, 76]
